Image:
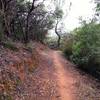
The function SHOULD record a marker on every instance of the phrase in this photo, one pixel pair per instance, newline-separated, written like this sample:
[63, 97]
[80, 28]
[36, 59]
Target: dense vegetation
[24, 20]
[83, 46]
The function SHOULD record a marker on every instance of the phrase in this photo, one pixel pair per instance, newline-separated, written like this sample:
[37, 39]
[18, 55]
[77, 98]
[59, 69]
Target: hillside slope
[43, 74]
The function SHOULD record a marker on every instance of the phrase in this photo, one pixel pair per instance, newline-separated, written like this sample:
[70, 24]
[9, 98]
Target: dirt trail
[60, 73]
[64, 79]
[71, 83]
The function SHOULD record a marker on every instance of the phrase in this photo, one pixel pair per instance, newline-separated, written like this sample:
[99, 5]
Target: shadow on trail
[93, 72]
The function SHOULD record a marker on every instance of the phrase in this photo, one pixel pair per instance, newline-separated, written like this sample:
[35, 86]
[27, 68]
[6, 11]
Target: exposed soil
[53, 78]
[71, 83]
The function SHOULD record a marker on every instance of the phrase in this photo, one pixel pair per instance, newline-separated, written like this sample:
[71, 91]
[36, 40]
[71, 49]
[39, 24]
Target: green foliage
[85, 47]
[10, 46]
[5, 97]
[1, 28]
[58, 13]
[51, 42]
[98, 7]
[87, 44]
[25, 21]
[66, 44]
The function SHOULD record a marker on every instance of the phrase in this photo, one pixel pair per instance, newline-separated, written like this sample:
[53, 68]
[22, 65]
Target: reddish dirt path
[71, 83]
[64, 80]
[60, 72]
[57, 79]
[63, 77]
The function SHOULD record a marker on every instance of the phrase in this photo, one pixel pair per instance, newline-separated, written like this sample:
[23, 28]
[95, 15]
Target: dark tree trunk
[26, 39]
[26, 30]
[59, 37]
[7, 29]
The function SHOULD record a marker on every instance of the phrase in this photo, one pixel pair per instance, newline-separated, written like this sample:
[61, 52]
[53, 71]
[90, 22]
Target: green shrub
[10, 46]
[5, 97]
[83, 48]
[86, 47]
[66, 44]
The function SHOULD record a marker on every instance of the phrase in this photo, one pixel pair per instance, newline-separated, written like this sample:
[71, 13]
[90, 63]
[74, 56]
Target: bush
[10, 46]
[85, 47]
[66, 44]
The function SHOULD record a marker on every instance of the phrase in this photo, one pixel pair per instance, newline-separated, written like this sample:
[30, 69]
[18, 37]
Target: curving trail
[52, 77]
[59, 80]
[60, 72]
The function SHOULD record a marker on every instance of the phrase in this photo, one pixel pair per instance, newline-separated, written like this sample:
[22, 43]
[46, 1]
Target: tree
[7, 13]
[41, 21]
[58, 16]
[36, 21]
[97, 10]
[86, 47]
[24, 20]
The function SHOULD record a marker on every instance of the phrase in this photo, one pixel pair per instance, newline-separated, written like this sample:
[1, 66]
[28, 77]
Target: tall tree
[29, 13]
[59, 15]
[7, 8]
[24, 20]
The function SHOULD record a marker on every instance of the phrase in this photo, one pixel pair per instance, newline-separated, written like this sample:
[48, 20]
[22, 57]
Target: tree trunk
[6, 23]
[26, 30]
[59, 37]
[26, 39]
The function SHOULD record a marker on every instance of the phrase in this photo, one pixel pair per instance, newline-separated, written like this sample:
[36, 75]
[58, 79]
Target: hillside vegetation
[82, 46]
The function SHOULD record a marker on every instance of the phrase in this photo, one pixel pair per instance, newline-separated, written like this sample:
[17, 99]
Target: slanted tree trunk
[59, 37]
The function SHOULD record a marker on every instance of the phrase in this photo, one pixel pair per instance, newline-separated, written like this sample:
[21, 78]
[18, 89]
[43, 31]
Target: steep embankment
[39, 73]
[15, 67]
